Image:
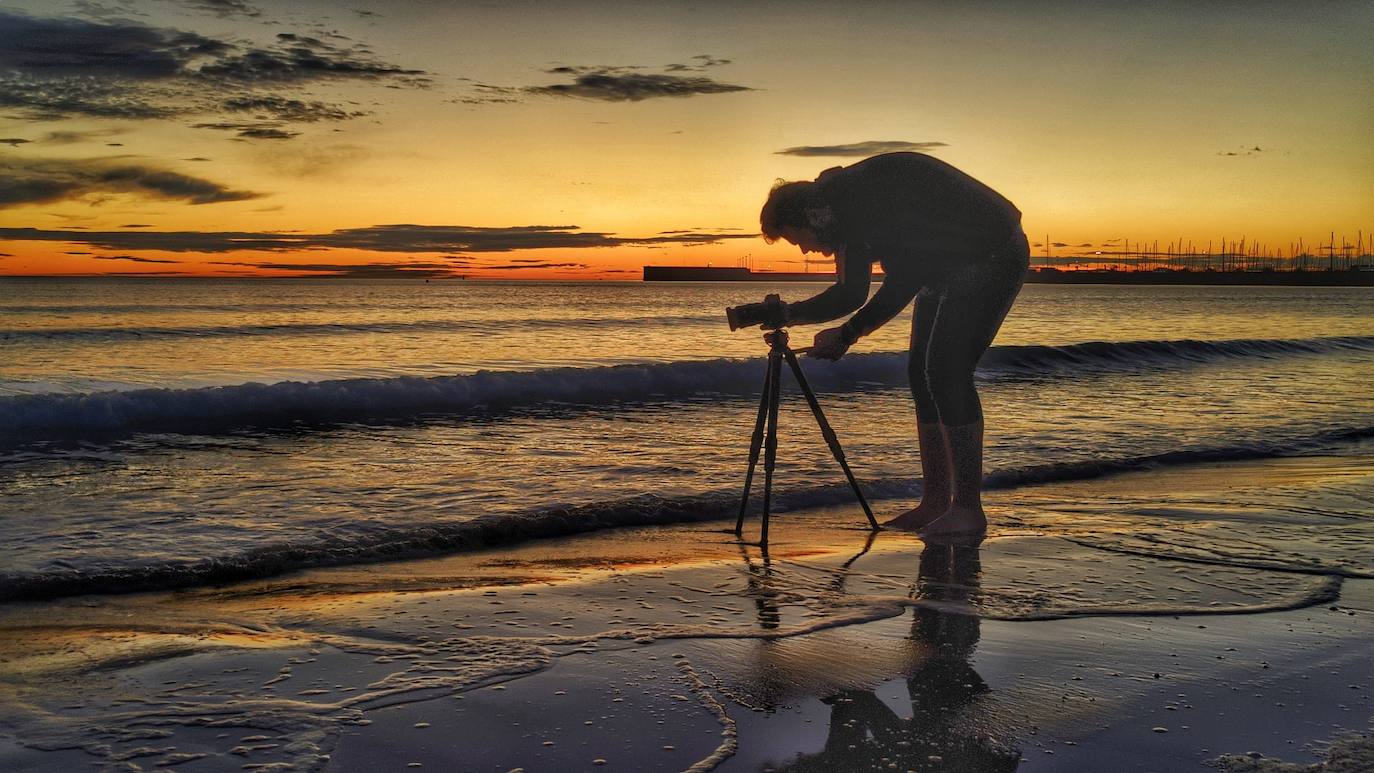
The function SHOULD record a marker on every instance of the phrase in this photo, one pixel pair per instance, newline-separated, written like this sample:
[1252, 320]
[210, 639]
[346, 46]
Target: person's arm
[847, 294]
[893, 295]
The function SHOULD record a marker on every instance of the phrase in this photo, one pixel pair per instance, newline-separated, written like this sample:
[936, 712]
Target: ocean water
[170, 433]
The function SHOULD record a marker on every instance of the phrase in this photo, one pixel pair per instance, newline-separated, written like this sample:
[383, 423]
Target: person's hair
[786, 208]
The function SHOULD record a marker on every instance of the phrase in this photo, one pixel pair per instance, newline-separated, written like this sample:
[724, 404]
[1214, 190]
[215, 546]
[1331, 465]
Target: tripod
[768, 413]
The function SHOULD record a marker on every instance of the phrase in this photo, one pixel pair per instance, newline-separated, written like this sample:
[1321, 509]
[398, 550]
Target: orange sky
[224, 137]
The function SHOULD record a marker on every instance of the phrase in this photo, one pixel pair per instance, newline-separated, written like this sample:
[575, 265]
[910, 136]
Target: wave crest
[209, 409]
[646, 510]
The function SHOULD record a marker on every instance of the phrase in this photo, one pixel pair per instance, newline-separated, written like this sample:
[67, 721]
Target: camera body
[771, 314]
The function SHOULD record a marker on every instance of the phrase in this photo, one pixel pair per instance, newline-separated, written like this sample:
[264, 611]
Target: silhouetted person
[940, 236]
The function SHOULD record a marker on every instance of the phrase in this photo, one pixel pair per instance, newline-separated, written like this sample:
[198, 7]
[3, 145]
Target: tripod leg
[829, 434]
[770, 452]
[754, 445]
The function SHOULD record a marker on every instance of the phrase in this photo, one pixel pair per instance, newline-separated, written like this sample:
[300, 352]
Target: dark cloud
[522, 264]
[868, 148]
[1059, 244]
[1086, 244]
[301, 59]
[136, 225]
[254, 131]
[611, 85]
[54, 68]
[1244, 151]
[52, 47]
[294, 110]
[366, 14]
[699, 62]
[378, 238]
[487, 94]
[14, 142]
[120, 10]
[50, 99]
[224, 9]
[376, 270]
[73, 137]
[267, 133]
[48, 180]
[196, 158]
[131, 258]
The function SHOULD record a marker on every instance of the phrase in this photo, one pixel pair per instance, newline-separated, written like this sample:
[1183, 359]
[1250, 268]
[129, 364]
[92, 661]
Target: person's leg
[969, 318]
[936, 478]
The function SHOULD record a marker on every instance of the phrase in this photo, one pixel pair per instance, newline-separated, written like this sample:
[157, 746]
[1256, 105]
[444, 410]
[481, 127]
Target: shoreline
[677, 648]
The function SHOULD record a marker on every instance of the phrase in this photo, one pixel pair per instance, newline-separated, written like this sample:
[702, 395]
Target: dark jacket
[917, 216]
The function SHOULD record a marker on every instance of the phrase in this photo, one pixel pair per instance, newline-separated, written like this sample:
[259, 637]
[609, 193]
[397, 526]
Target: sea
[169, 433]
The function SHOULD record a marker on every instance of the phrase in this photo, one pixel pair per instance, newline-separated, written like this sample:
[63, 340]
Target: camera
[770, 314]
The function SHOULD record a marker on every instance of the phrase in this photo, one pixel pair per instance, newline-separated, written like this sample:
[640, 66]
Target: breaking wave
[440, 537]
[99, 414]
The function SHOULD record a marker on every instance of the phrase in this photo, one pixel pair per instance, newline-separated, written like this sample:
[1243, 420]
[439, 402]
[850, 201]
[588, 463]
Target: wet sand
[1092, 631]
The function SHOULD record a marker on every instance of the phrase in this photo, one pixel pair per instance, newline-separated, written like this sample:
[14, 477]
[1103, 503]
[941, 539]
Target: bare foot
[959, 525]
[916, 518]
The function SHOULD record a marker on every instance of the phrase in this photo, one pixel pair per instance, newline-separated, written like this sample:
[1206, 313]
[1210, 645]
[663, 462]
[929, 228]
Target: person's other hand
[829, 344]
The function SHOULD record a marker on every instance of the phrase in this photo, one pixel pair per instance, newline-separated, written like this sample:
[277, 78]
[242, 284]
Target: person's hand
[829, 344]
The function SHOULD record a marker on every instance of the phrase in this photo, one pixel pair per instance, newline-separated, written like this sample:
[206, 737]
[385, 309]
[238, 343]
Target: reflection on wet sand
[951, 726]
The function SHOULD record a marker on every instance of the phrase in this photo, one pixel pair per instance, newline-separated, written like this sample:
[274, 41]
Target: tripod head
[776, 338]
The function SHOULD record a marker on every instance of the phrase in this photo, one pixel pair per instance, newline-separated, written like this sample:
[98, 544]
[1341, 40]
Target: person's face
[806, 240]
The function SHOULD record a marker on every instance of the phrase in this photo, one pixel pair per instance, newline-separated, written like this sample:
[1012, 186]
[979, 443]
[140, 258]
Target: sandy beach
[1084, 634]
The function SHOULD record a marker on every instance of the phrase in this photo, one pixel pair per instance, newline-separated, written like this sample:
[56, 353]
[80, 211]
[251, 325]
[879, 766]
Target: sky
[583, 140]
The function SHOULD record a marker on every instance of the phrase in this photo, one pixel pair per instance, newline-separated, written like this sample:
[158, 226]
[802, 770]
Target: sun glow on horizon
[511, 147]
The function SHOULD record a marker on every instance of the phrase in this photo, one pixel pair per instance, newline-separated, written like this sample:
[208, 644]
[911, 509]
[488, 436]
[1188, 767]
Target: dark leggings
[954, 323]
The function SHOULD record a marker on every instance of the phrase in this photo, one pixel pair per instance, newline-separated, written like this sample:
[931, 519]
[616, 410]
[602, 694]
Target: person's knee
[926, 407]
[952, 389]
[945, 376]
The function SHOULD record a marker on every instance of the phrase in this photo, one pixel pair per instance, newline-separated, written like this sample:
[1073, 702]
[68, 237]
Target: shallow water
[260, 426]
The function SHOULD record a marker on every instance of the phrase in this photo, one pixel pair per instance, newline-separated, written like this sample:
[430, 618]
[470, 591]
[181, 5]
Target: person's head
[797, 212]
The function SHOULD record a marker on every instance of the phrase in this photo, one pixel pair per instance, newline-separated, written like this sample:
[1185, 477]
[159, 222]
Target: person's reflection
[946, 730]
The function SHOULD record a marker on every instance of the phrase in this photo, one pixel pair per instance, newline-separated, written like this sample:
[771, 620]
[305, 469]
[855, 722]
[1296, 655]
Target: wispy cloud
[516, 265]
[613, 83]
[260, 131]
[40, 181]
[376, 270]
[619, 85]
[378, 238]
[300, 58]
[868, 148]
[1243, 151]
[283, 109]
[224, 9]
[698, 63]
[132, 258]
